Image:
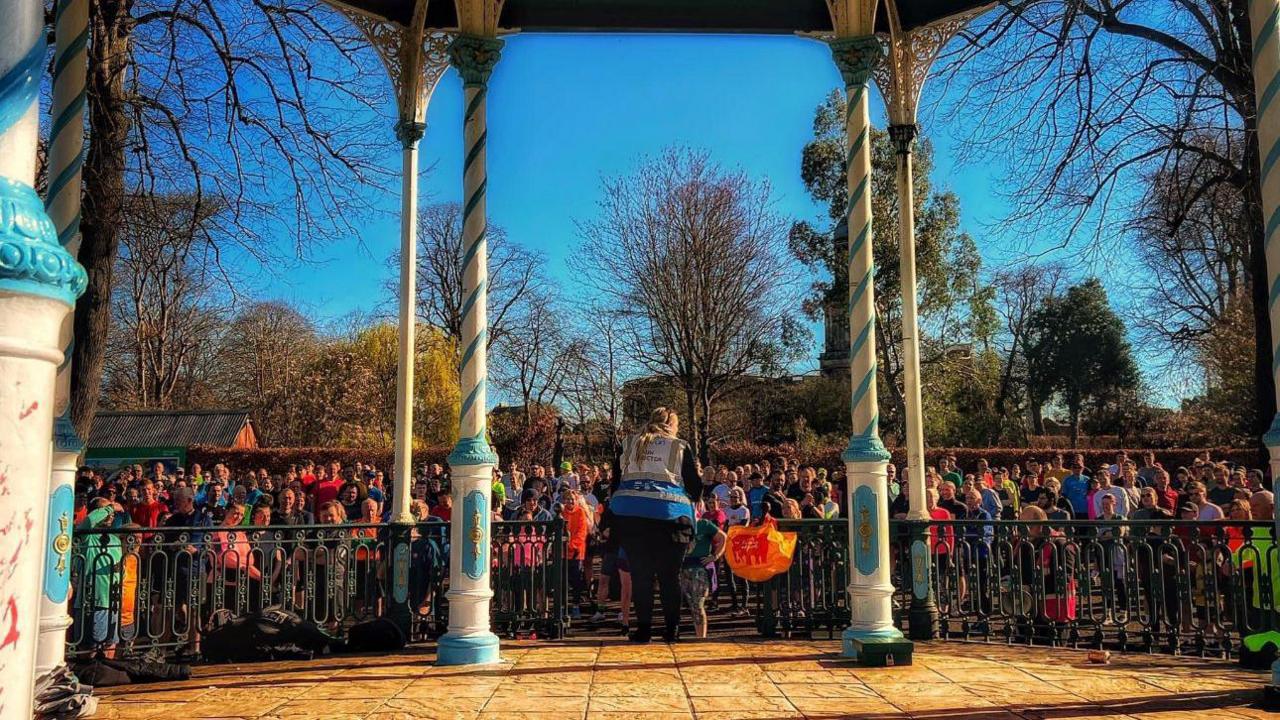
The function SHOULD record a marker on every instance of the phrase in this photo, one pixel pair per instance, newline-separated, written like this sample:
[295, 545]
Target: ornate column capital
[409, 133]
[857, 57]
[903, 136]
[474, 57]
[31, 260]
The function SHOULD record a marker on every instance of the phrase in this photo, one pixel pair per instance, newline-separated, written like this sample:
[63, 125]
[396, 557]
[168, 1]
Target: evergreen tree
[955, 305]
[1078, 354]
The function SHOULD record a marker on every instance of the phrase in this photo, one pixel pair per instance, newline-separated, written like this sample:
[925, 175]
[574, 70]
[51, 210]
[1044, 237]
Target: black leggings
[653, 553]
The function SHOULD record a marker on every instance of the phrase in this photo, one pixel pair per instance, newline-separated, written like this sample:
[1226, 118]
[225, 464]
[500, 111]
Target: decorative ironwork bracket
[909, 56]
[415, 57]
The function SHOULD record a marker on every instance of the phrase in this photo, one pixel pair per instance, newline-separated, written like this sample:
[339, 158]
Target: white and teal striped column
[866, 459]
[469, 639]
[1263, 18]
[62, 200]
[39, 284]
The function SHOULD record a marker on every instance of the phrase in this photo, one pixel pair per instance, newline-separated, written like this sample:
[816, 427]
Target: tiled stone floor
[715, 680]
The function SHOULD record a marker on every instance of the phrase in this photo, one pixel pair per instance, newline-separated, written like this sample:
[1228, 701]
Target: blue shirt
[991, 502]
[977, 537]
[1075, 488]
[755, 498]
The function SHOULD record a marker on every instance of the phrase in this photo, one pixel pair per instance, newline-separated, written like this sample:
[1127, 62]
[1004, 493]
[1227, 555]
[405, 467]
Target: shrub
[828, 456]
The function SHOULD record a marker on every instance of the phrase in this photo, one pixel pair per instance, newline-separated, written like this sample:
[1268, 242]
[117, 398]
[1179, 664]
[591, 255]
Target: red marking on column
[11, 637]
[26, 413]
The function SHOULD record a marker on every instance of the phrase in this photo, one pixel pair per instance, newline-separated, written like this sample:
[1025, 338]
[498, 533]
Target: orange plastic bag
[760, 552]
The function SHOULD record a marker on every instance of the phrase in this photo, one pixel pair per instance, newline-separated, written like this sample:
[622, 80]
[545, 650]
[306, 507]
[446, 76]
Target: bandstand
[893, 43]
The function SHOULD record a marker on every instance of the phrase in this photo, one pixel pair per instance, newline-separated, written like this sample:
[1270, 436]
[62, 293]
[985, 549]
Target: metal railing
[1156, 586]
[157, 590]
[812, 597]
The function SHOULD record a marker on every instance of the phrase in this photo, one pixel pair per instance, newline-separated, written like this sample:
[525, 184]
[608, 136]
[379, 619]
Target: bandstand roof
[693, 16]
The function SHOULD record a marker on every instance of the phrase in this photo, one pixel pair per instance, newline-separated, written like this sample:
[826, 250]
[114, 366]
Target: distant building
[119, 438]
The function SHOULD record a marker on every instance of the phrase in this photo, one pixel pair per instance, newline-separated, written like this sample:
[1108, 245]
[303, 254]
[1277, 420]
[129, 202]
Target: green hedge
[277, 460]
[738, 453]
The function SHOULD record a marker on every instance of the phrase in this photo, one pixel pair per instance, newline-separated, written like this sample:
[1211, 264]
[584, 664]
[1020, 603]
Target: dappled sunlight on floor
[711, 680]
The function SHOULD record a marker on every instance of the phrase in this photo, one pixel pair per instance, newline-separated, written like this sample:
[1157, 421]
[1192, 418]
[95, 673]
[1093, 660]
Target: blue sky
[566, 109]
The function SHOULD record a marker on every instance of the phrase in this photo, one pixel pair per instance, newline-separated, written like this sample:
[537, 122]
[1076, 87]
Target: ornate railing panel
[157, 589]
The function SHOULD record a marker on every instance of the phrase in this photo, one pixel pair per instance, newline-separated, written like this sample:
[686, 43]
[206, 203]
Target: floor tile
[548, 687]
[518, 702]
[140, 711]
[349, 709]
[749, 715]
[806, 690]
[652, 703]
[506, 715]
[744, 679]
[425, 689]
[632, 715]
[732, 688]
[637, 690]
[741, 703]
[443, 703]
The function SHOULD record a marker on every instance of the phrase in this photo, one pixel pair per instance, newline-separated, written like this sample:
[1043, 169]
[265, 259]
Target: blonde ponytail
[659, 425]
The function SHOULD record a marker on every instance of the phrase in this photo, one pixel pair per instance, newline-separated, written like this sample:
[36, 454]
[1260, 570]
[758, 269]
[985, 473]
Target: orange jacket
[578, 522]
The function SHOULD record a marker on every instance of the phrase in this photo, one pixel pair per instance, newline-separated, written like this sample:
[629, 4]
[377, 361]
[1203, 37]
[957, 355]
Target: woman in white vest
[655, 486]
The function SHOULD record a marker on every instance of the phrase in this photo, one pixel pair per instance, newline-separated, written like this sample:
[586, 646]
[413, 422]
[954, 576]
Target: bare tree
[164, 314]
[263, 356]
[1019, 292]
[597, 366]
[692, 259]
[514, 273]
[254, 106]
[531, 354]
[1194, 240]
[1095, 97]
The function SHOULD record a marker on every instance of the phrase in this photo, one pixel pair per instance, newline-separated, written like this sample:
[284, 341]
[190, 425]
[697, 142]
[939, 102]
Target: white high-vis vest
[651, 485]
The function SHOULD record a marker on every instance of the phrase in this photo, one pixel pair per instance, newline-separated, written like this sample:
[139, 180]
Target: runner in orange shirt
[578, 523]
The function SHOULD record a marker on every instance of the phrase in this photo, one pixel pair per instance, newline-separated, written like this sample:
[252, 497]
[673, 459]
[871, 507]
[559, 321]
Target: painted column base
[51, 648]
[469, 641]
[400, 537]
[871, 635]
[477, 649]
[51, 628]
[1271, 692]
[876, 648]
[922, 618]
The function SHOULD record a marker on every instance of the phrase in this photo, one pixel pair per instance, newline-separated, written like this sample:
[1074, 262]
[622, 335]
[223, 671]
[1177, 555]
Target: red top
[233, 550]
[1167, 499]
[948, 532]
[147, 514]
[326, 491]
